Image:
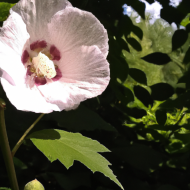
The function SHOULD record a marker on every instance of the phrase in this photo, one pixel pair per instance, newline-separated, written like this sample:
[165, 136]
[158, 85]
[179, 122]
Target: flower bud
[34, 185]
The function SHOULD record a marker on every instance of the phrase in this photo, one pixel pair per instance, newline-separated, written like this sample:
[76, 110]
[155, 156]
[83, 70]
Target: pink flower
[52, 56]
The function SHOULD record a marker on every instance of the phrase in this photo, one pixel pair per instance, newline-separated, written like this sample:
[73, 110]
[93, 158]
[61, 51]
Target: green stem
[6, 149]
[19, 143]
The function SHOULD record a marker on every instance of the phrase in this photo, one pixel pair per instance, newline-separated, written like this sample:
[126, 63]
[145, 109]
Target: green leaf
[118, 68]
[188, 28]
[137, 31]
[123, 44]
[4, 188]
[4, 10]
[161, 91]
[72, 180]
[185, 21]
[67, 147]
[138, 75]
[143, 95]
[157, 58]
[186, 59]
[139, 7]
[80, 119]
[168, 187]
[139, 156]
[179, 38]
[161, 117]
[134, 43]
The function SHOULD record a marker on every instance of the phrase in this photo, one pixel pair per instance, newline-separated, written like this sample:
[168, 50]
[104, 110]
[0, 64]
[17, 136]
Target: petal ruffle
[37, 13]
[85, 74]
[71, 28]
[26, 99]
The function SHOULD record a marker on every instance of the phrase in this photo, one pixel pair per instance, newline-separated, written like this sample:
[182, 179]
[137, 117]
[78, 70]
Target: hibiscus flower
[52, 56]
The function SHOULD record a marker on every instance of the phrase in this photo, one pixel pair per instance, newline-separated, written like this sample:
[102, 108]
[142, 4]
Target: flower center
[44, 66]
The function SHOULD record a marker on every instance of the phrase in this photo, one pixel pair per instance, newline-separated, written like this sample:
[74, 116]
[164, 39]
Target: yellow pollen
[44, 66]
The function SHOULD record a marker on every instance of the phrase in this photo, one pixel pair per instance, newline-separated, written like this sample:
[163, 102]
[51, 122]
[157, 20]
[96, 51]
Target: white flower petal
[13, 37]
[13, 34]
[37, 13]
[26, 99]
[72, 27]
[81, 47]
[85, 74]
[11, 67]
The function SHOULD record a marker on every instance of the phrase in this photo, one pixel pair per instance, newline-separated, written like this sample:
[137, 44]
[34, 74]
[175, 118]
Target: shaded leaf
[180, 102]
[143, 95]
[186, 59]
[123, 93]
[139, 6]
[187, 77]
[150, 1]
[139, 156]
[157, 58]
[161, 117]
[183, 79]
[123, 44]
[80, 119]
[72, 180]
[174, 14]
[164, 128]
[185, 138]
[19, 164]
[4, 188]
[179, 38]
[68, 147]
[134, 43]
[168, 187]
[188, 28]
[118, 68]
[126, 25]
[161, 91]
[138, 75]
[184, 7]
[137, 31]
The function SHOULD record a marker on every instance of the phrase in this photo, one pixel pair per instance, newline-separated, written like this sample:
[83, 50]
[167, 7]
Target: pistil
[44, 66]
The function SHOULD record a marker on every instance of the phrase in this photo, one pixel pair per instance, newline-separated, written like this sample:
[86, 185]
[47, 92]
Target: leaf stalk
[19, 143]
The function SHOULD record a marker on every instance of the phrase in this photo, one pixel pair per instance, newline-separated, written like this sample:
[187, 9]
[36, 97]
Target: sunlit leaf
[68, 147]
[185, 21]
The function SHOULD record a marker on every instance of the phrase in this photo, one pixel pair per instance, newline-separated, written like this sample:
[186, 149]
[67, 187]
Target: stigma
[44, 66]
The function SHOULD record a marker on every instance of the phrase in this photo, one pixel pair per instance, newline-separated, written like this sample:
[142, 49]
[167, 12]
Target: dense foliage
[142, 117]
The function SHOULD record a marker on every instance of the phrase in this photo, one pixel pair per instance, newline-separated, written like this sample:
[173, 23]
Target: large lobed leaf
[67, 147]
